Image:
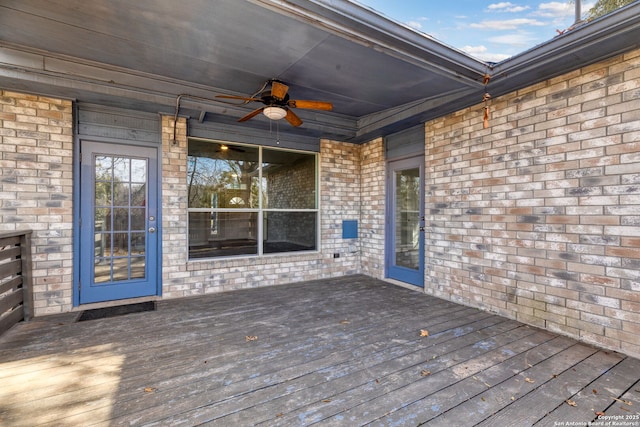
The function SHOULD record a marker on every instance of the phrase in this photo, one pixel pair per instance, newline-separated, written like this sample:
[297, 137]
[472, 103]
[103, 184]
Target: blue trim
[350, 229]
[76, 208]
[159, 211]
[393, 271]
[83, 173]
[409, 142]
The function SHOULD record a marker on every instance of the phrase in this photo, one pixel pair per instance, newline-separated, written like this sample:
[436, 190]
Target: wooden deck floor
[340, 352]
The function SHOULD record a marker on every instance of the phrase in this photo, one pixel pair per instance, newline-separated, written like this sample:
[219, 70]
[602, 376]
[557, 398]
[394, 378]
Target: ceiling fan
[278, 105]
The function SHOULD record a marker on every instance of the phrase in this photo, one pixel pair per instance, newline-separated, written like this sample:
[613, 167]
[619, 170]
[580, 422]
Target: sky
[488, 30]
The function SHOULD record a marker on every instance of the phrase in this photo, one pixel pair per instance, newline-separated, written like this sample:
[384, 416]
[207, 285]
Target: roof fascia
[580, 43]
[367, 27]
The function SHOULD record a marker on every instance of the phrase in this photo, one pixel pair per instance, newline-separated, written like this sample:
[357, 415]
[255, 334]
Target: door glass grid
[407, 215]
[120, 218]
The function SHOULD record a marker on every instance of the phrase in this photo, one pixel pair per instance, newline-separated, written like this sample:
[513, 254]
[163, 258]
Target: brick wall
[174, 210]
[537, 217]
[372, 206]
[36, 189]
[339, 187]
[339, 201]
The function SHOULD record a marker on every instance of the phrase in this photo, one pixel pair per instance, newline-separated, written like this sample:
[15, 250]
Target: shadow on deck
[344, 351]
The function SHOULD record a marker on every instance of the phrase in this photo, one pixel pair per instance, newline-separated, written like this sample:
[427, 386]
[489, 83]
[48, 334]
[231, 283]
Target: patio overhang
[381, 76]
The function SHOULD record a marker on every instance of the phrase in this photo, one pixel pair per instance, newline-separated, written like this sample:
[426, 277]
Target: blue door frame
[404, 242]
[117, 222]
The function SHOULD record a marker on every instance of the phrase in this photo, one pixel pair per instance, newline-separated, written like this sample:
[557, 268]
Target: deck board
[462, 365]
[462, 391]
[600, 393]
[549, 392]
[286, 370]
[344, 351]
[625, 406]
[382, 370]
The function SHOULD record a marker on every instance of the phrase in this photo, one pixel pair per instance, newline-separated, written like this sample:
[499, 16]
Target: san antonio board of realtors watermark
[604, 421]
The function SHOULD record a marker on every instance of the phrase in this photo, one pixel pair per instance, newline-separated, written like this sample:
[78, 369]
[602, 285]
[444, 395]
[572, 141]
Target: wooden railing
[16, 298]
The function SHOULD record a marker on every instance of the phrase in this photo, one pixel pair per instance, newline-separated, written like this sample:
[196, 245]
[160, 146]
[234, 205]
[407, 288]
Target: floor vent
[118, 310]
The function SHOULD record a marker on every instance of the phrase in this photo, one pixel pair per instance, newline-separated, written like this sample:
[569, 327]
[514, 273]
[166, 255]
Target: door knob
[152, 229]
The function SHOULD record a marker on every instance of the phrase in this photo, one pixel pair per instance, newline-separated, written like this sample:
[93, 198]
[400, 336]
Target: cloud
[494, 57]
[501, 5]
[561, 13]
[555, 9]
[507, 7]
[481, 52]
[518, 39]
[414, 24]
[508, 24]
[474, 50]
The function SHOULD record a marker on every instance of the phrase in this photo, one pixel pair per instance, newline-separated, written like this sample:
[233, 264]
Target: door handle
[422, 229]
[152, 229]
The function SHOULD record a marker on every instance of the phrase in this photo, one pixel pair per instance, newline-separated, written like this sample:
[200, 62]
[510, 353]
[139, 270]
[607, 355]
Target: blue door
[118, 222]
[405, 221]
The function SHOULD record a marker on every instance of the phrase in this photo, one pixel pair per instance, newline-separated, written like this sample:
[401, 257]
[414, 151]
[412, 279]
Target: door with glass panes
[405, 221]
[118, 222]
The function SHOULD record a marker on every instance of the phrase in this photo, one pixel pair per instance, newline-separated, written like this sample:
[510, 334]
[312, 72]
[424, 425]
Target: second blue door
[405, 221]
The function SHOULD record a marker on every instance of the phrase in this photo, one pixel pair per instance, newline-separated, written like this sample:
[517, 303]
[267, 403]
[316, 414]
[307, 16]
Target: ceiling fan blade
[293, 119]
[251, 114]
[279, 90]
[310, 105]
[238, 97]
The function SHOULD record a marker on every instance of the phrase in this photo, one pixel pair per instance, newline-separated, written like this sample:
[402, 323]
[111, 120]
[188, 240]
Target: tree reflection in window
[249, 200]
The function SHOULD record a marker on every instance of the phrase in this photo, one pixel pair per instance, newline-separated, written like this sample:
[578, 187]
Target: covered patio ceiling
[381, 77]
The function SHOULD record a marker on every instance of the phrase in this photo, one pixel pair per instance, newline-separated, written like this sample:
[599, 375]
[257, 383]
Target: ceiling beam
[381, 119]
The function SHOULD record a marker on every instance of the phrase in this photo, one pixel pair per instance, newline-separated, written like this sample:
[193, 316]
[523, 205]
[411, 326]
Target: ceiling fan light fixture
[274, 113]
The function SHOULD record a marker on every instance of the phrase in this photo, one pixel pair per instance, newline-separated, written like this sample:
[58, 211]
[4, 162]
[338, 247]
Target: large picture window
[249, 200]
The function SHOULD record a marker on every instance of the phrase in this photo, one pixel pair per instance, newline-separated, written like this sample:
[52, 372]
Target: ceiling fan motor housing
[269, 99]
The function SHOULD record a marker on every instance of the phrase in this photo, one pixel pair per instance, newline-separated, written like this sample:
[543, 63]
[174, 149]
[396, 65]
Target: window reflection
[120, 218]
[222, 234]
[289, 232]
[407, 183]
[237, 193]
